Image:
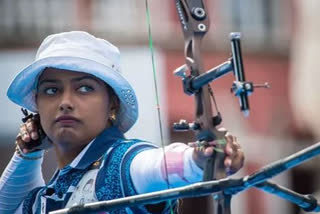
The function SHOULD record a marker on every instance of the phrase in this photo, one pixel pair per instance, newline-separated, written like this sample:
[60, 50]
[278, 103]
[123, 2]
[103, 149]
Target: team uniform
[109, 167]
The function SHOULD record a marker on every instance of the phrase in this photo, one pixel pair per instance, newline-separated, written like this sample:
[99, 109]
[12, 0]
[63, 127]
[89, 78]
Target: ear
[115, 104]
[114, 107]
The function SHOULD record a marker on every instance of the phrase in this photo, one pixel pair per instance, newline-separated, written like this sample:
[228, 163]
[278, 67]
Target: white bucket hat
[81, 52]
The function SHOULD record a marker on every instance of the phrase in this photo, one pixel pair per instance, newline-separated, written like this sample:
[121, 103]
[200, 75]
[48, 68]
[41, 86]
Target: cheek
[98, 112]
[47, 112]
[45, 118]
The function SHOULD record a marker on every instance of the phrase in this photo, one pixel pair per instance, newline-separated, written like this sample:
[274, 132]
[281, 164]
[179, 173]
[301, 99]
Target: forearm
[150, 170]
[18, 179]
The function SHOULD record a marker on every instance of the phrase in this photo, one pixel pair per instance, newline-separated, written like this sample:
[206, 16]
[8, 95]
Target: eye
[85, 89]
[50, 91]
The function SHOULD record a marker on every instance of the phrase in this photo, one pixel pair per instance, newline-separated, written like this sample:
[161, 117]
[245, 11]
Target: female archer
[84, 106]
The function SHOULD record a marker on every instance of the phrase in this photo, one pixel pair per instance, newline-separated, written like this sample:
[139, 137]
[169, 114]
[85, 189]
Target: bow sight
[240, 87]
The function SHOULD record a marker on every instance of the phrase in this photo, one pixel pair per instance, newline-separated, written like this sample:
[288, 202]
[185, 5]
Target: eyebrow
[85, 77]
[77, 79]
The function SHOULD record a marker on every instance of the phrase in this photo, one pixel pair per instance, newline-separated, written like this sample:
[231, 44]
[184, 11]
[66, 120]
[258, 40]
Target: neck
[66, 155]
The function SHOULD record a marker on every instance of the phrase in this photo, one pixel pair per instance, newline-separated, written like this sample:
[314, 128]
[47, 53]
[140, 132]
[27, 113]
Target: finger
[229, 138]
[228, 147]
[238, 160]
[229, 150]
[19, 141]
[21, 144]
[34, 135]
[32, 129]
[30, 125]
[235, 143]
[208, 151]
[228, 162]
[24, 137]
[236, 164]
[24, 133]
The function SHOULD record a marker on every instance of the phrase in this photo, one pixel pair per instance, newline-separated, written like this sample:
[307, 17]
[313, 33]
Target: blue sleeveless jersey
[103, 173]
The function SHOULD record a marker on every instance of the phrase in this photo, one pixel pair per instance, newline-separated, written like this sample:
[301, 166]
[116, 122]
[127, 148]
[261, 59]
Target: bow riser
[195, 24]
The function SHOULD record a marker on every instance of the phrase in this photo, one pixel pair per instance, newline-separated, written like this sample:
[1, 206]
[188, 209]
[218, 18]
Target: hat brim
[22, 90]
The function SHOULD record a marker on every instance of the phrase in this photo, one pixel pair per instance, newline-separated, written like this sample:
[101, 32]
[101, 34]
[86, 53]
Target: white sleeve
[18, 179]
[149, 169]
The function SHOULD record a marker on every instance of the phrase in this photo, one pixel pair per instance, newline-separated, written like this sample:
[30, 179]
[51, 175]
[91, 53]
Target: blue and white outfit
[109, 167]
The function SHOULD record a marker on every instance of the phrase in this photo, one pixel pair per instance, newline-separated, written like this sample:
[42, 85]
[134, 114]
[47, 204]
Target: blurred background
[280, 45]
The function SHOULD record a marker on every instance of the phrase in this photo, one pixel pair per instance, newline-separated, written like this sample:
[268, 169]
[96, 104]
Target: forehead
[60, 74]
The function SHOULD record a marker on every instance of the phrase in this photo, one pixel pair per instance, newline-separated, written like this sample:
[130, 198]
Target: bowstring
[157, 98]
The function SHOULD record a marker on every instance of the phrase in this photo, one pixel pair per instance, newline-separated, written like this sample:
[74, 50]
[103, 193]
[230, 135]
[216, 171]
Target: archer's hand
[28, 138]
[234, 155]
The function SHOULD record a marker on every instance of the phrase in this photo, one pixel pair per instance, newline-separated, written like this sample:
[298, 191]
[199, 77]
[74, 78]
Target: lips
[67, 120]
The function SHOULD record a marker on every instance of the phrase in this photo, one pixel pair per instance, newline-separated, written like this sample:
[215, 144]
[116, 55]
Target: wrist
[34, 155]
[196, 170]
[199, 160]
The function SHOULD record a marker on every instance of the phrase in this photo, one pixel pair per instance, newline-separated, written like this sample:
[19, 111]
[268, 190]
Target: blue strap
[113, 179]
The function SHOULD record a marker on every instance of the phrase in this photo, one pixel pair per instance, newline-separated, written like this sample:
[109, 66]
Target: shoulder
[127, 148]
[122, 153]
[114, 171]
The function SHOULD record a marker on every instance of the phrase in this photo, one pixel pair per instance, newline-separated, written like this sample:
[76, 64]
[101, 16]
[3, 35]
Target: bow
[195, 22]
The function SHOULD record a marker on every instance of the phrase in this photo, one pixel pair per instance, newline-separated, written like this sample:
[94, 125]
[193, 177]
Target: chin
[67, 135]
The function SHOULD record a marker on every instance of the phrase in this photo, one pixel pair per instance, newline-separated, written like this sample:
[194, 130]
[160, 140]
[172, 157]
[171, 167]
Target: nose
[66, 104]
